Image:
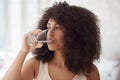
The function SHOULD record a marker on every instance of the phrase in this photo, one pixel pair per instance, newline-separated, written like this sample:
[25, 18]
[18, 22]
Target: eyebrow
[50, 24]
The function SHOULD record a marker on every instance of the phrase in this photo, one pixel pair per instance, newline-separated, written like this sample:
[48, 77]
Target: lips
[50, 40]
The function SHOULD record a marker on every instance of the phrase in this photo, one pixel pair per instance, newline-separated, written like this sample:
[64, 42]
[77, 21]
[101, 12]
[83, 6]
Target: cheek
[60, 40]
[59, 44]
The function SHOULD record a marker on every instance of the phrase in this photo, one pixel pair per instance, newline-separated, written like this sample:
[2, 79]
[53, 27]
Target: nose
[51, 32]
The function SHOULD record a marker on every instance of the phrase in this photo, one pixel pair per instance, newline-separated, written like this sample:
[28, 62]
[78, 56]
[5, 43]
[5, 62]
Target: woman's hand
[25, 46]
[14, 72]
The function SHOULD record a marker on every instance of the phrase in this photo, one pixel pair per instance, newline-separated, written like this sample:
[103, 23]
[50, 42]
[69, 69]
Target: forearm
[14, 72]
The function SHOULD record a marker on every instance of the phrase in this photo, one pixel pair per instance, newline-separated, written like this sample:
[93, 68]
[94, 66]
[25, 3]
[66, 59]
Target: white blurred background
[20, 16]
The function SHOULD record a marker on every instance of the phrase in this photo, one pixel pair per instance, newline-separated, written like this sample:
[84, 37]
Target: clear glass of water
[39, 38]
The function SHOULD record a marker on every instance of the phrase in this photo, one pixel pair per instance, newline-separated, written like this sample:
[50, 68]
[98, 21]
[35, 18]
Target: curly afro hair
[82, 36]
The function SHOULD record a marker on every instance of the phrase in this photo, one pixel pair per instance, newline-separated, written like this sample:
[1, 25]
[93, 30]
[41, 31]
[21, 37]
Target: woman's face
[55, 35]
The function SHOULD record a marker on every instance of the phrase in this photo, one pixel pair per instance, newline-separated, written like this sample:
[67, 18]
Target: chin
[51, 48]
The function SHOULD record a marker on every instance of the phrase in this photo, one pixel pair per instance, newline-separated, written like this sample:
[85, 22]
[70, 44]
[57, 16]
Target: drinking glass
[41, 37]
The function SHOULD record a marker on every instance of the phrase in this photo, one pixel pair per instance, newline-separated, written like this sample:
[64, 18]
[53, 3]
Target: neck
[59, 59]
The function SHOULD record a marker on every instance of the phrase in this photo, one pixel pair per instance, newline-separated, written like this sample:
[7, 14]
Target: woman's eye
[58, 27]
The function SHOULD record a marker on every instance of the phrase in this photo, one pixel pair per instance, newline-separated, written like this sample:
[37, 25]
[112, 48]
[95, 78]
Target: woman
[73, 45]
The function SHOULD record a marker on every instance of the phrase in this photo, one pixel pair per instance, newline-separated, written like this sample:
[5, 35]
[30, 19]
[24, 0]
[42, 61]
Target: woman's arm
[30, 69]
[14, 72]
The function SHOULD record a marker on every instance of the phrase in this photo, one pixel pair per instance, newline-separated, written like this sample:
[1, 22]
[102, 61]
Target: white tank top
[44, 75]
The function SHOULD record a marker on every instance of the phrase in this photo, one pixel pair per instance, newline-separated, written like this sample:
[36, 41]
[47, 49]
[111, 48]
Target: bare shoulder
[30, 69]
[32, 60]
[32, 63]
[94, 74]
